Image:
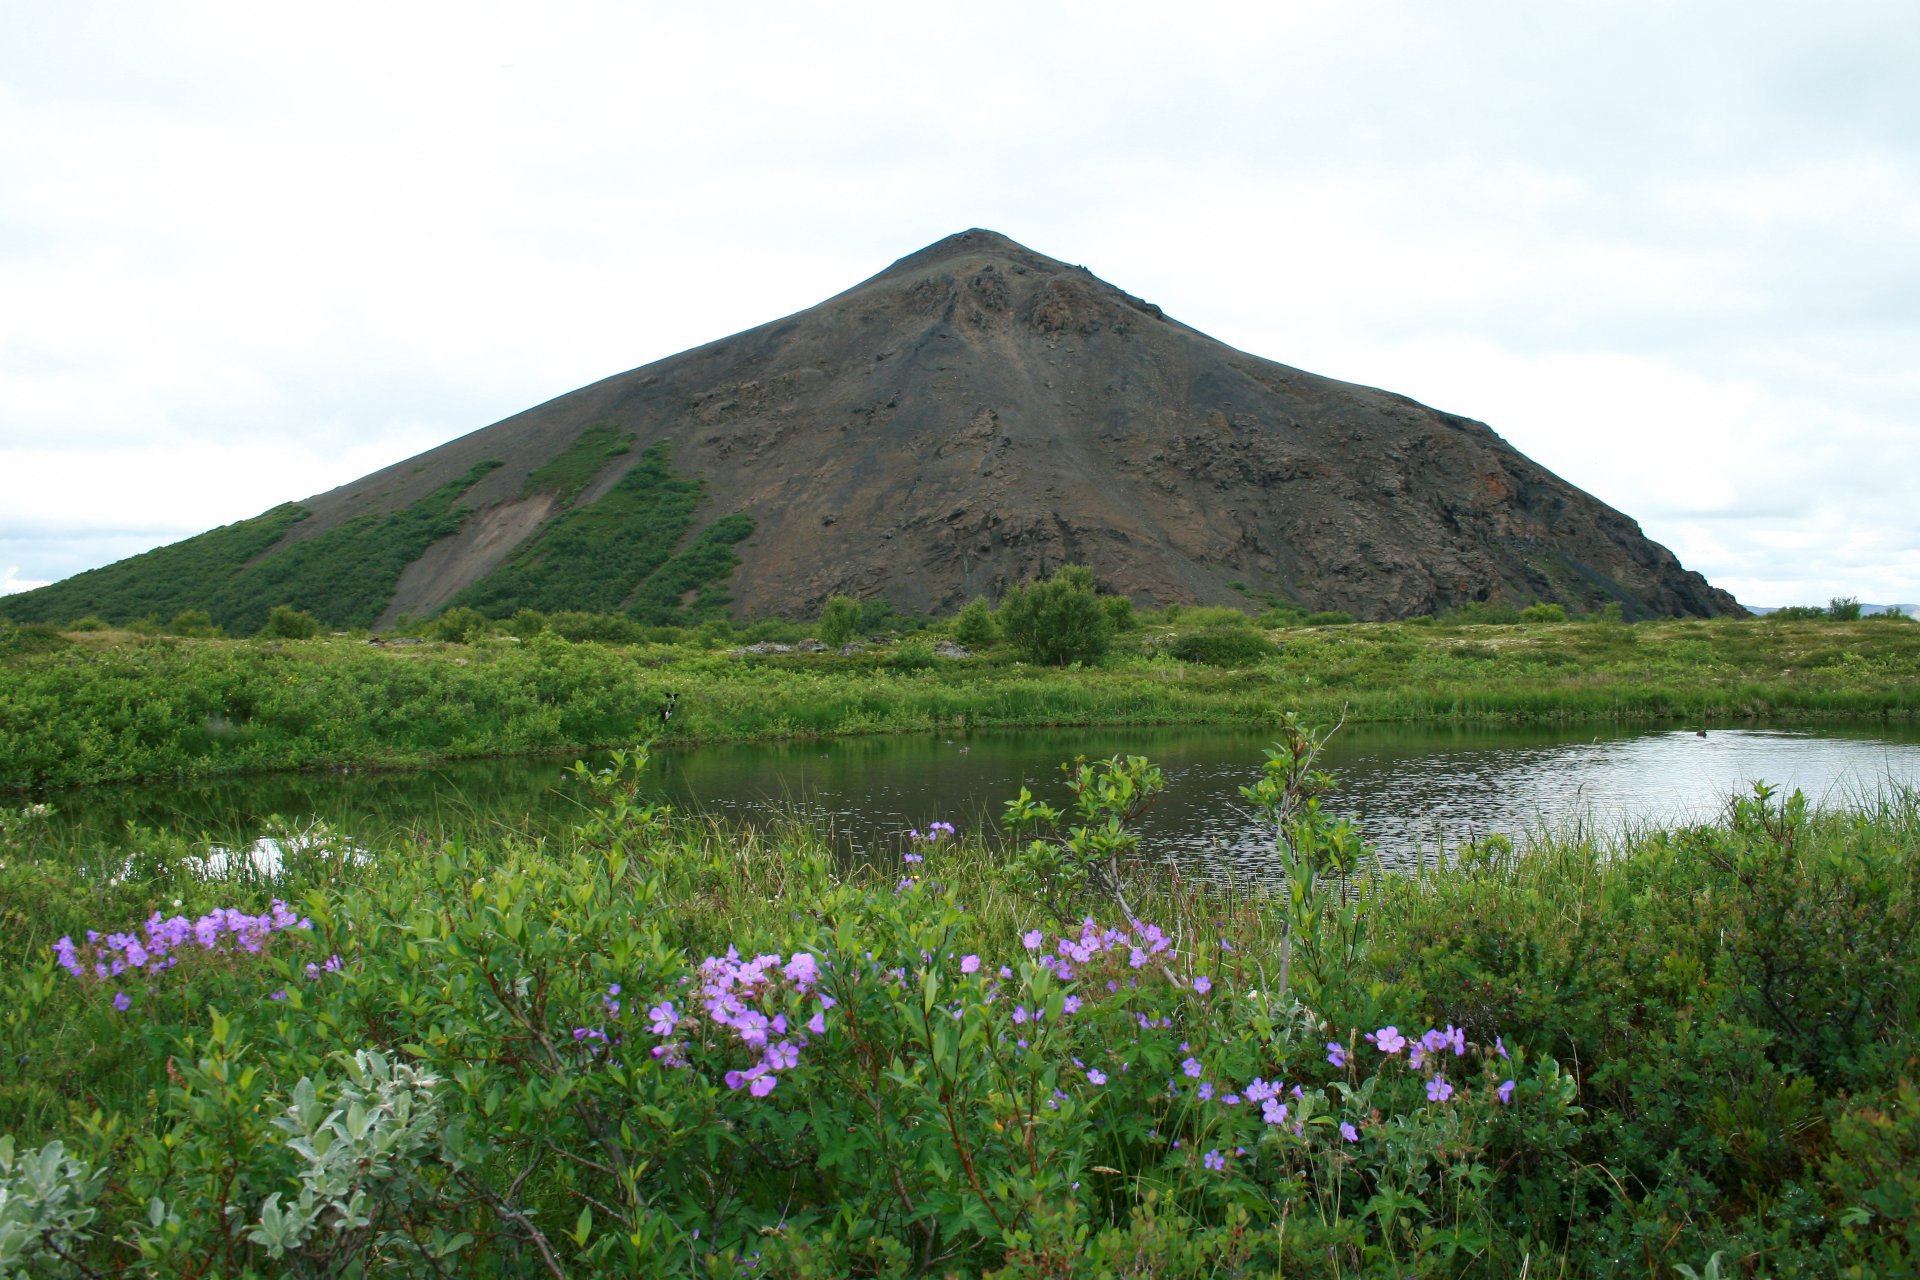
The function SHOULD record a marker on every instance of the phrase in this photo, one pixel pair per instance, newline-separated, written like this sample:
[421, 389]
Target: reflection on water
[1409, 791]
[264, 856]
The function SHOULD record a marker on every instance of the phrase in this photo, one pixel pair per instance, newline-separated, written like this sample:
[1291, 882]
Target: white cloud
[11, 581]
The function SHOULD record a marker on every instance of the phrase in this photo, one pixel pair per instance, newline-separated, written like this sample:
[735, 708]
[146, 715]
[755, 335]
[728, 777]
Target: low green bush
[1058, 621]
[597, 628]
[1240, 646]
[973, 625]
[284, 622]
[915, 653]
[1483, 613]
[839, 620]
[459, 625]
[33, 637]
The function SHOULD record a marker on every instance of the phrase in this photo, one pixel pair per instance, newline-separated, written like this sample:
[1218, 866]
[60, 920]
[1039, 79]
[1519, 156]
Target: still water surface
[1409, 790]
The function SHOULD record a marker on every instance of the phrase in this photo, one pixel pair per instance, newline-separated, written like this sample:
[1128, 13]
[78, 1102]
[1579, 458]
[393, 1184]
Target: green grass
[113, 707]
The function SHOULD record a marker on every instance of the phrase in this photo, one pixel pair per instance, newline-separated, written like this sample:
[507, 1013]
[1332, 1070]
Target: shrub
[973, 625]
[527, 623]
[193, 623]
[91, 622]
[1844, 609]
[597, 628]
[34, 637]
[1119, 613]
[1205, 615]
[1224, 647]
[840, 620]
[1484, 612]
[1329, 618]
[459, 625]
[1544, 612]
[1058, 621]
[915, 653]
[284, 622]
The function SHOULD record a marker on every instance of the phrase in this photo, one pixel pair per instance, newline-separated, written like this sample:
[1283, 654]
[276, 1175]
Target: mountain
[972, 416]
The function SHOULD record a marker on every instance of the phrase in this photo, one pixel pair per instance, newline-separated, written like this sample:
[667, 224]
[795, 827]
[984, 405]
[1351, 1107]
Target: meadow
[90, 706]
[650, 1045]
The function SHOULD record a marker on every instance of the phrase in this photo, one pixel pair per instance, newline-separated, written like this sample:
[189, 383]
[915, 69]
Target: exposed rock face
[978, 414]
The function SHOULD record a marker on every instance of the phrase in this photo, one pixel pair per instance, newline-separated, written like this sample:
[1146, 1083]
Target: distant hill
[1866, 610]
[975, 415]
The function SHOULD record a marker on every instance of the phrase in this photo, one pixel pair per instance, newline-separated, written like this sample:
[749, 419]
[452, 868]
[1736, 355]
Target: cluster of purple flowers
[740, 996]
[159, 945]
[935, 832]
[1431, 1044]
[156, 948]
[1141, 942]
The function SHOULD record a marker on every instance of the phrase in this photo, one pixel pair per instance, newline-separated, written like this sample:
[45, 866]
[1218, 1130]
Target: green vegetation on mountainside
[580, 462]
[344, 577]
[618, 554]
[162, 582]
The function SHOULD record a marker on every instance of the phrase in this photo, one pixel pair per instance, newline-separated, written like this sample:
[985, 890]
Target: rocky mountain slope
[974, 415]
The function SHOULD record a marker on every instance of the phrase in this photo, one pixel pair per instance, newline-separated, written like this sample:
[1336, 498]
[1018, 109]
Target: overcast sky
[1670, 251]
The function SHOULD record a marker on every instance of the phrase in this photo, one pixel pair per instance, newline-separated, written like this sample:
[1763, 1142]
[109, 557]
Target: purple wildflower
[1096, 1076]
[665, 1018]
[969, 964]
[1214, 1160]
[1031, 940]
[1387, 1040]
[1348, 1132]
[122, 1001]
[1203, 984]
[1191, 1067]
[1506, 1093]
[1336, 1053]
[1438, 1090]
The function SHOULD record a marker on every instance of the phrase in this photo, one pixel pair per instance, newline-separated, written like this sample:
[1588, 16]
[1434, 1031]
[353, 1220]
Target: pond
[1410, 790]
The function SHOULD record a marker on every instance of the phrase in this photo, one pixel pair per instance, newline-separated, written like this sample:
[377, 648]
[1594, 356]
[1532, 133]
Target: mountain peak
[973, 242]
[976, 415]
